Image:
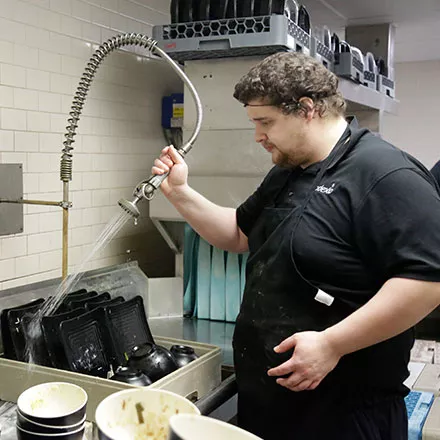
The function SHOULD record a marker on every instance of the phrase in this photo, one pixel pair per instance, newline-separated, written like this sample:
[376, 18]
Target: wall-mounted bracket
[11, 188]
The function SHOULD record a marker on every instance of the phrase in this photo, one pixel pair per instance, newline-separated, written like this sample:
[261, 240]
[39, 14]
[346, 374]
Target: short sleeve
[436, 172]
[397, 227]
[249, 210]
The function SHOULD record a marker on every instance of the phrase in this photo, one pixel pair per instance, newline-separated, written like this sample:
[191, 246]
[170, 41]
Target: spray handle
[147, 187]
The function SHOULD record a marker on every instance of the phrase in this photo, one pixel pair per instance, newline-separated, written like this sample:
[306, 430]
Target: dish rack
[193, 381]
[231, 37]
[126, 323]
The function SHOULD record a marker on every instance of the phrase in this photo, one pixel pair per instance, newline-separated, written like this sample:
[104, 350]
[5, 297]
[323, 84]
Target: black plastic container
[77, 292]
[92, 304]
[51, 333]
[183, 354]
[12, 332]
[60, 404]
[35, 350]
[83, 301]
[86, 344]
[69, 300]
[71, 435]
[153, 360]
[32, 426]
[128, 327]
[131, 376]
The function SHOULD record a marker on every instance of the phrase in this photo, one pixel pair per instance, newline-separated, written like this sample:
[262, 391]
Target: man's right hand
[170, 160]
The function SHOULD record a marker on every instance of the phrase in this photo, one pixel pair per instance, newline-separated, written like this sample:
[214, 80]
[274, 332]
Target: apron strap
[332, 158]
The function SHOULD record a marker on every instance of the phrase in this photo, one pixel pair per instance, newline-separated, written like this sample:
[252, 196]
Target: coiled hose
[84, 86]
[116, 42]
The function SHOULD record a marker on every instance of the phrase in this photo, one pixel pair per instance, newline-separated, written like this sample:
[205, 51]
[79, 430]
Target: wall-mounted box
[11, 188]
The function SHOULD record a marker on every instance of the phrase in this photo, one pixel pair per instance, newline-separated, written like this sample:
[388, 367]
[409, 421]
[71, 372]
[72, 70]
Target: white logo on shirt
[324, 190]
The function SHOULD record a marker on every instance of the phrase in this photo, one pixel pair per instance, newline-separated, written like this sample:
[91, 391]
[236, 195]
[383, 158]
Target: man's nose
[260, 136]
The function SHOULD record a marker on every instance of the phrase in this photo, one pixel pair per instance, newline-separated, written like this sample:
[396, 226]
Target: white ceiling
[417, 22]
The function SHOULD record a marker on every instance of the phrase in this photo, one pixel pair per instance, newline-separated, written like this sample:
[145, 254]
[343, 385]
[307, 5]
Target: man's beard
[283, 160]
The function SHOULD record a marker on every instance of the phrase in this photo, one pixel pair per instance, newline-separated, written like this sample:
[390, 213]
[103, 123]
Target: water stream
[34, 333]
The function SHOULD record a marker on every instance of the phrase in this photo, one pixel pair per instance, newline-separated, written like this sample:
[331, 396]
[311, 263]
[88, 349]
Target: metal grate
[387, 82]
[228, 53]
[369, 76]
[324, 51]
[298, 33]
[358, 64]
[215, 28]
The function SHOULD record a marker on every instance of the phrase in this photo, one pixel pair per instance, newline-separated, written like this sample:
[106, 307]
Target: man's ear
[307, 106]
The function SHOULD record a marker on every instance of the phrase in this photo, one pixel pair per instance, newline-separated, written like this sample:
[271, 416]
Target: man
[435, 171]
[344, 259]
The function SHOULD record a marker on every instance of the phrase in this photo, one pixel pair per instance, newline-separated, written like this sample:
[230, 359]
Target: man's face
[283, 136]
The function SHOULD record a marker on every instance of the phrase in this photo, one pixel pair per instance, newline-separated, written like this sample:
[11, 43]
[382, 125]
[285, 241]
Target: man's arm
[397, 306]
[400, 304]
[216, 224]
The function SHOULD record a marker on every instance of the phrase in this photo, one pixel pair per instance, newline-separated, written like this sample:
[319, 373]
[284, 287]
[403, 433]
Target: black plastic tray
[66, 305]
[128, 327]
[12, 325]
[91, 305]
[51, 333]
[83, 301]
[86, 344]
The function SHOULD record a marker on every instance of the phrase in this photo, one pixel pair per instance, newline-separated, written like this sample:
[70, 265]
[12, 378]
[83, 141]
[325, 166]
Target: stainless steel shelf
[365, 98]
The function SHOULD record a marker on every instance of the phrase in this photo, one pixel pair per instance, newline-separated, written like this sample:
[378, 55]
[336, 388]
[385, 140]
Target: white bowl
[30, 425]
[139, 414]
[196, 427]
[23, 434]
[53, 403]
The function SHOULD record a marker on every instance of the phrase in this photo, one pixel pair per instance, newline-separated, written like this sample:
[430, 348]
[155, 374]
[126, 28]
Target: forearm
[216, 224]
[398, 305]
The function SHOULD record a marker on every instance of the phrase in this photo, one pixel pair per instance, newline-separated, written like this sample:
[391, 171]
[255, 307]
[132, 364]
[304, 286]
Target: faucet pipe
[36, 202]
[146, 188]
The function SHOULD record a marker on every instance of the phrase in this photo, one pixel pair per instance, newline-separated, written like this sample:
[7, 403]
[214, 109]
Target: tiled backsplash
[44, 48]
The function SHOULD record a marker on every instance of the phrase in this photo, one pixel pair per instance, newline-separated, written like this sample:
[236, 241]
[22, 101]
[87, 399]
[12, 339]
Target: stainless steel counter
[199, 330]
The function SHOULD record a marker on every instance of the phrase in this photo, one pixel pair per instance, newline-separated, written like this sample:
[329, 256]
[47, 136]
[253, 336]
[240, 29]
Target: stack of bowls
[54, 410]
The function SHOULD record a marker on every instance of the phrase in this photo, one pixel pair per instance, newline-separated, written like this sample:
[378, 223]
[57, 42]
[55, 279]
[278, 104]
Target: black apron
[278, 302]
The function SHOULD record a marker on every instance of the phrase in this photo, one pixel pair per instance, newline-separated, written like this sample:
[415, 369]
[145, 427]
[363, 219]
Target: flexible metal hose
[146, 188]
[79, 99]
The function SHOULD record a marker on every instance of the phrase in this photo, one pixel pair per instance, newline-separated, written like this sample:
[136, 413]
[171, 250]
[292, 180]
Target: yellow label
[177, 111]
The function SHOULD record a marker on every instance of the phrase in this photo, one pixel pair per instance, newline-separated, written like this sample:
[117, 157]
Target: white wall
[416, 128]
[44, 47]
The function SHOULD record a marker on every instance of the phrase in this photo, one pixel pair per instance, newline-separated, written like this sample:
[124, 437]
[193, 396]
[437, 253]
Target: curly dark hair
[285, 77]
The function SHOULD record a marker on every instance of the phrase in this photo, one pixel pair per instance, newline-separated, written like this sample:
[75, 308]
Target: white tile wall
[6, 140]
[6, 96]
[44, 49]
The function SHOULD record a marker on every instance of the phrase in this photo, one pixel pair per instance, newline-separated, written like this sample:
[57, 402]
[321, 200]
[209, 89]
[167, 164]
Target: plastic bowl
[54, 404]
[23, 434]
[139, 414]
[196, 427]
[29, 425]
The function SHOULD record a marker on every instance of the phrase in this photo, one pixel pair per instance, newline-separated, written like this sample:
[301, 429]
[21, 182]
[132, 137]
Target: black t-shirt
[436, 172]
[373, 216]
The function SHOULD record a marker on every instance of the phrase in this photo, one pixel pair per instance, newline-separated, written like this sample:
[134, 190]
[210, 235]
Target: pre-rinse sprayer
[146, 188]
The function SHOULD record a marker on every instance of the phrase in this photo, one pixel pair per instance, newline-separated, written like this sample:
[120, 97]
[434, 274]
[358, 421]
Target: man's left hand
[312, 359]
